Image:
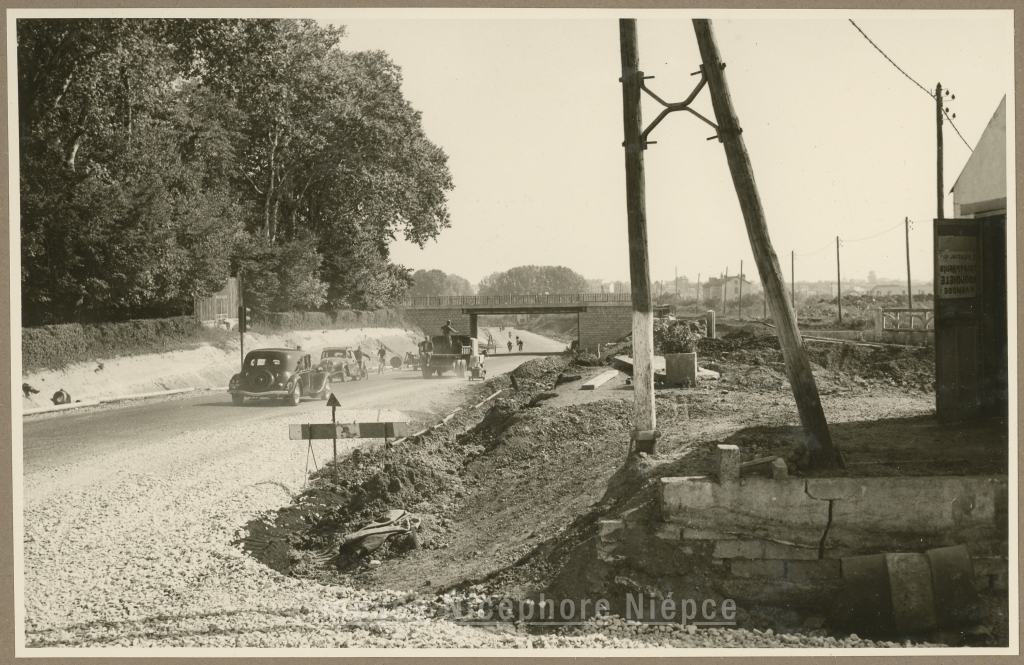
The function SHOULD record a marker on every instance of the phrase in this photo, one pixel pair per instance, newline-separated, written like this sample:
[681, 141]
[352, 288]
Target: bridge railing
[516, 299]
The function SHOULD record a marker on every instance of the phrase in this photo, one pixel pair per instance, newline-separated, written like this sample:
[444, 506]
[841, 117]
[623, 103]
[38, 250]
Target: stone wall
[604, 325]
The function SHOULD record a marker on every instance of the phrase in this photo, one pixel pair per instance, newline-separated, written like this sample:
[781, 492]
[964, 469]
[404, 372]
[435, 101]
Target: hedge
[58, 346]
[275, 322]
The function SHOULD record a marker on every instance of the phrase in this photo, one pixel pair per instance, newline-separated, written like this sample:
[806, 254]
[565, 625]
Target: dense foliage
[438, 283]
[534, 280]
[160, 156]
[678, 336]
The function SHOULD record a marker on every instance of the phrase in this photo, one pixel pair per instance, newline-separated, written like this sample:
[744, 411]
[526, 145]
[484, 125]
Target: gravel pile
[134, 549]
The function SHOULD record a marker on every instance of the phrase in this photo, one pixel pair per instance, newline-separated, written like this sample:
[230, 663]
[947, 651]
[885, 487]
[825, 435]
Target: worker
[359, 358]
[519, 343]
[510, 346]
[382, 355]
[448, 331]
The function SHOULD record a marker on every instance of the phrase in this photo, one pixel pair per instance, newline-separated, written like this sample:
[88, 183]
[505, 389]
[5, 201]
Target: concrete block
[821, 569]
[705, 534]
[768, 568]
[728, 463]
[912, 513]
[759, 508]
[779, 469]
[681, 369]
[747, 549]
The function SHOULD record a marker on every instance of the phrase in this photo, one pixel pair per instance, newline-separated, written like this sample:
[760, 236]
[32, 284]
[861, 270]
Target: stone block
[768, 568]
[759, 508]
[776, 550]
[668, 531]
[806, 571]
[747, 549]
[911, 513]
[705, 534]
[779, 469]
[728, 463]
[681, 369]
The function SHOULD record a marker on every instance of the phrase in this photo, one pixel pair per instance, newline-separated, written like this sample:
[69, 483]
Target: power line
[877, 234]
[817, 250]
[926, 91]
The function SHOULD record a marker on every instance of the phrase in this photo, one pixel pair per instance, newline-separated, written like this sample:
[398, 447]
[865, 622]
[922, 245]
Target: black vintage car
[276, 373]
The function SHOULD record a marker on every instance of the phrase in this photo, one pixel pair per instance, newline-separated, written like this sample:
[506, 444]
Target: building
[970, 263]
[726, 288]
[888, 290]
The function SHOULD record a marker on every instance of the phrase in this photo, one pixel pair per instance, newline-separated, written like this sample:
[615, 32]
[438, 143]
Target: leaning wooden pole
[819, 440]
[644, 421]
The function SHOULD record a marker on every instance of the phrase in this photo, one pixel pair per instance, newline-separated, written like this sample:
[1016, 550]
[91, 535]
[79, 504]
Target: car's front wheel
[237, 399]
[295, 396]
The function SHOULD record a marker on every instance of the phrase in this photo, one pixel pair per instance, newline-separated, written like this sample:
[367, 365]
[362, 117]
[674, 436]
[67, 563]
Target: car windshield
[334, 353]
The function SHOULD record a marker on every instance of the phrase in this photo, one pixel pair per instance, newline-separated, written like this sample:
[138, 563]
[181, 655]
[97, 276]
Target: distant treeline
[160, 156]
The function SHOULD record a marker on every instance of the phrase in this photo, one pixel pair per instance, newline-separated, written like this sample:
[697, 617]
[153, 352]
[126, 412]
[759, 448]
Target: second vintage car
[279, 373]
[341, 362]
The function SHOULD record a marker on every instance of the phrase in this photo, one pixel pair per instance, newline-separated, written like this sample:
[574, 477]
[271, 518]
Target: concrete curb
[104, 400]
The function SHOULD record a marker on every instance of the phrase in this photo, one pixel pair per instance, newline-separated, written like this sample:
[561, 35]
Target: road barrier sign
[348, 431]
[335, 430]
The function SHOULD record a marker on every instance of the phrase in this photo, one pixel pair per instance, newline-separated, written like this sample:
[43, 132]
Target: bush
[678, 336]
[58, 346]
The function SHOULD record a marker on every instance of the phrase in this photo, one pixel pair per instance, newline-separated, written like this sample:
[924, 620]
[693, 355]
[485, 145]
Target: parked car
[276, 373]
[340, 361]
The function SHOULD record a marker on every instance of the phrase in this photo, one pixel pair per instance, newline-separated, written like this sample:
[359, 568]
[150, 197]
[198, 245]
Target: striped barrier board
[386, 430]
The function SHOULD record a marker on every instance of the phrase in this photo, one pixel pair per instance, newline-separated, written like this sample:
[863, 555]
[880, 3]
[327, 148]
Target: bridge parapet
[512, 300]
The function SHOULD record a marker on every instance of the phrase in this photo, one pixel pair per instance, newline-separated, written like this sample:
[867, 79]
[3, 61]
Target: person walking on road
[382, 355]
[358, 353]
[519, 343]
[510, 346]
[448, 331]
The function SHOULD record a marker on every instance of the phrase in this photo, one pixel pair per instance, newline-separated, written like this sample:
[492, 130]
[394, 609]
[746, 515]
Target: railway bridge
[602, 318]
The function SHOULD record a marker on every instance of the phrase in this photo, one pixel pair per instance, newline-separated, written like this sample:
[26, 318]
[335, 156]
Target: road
[59, 439]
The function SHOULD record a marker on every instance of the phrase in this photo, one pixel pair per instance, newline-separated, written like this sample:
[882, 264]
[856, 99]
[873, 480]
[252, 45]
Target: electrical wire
[892, 228]
[926, 91]
[817, 250]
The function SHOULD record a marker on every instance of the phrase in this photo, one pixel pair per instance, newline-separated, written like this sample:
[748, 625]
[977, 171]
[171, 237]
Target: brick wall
[604, 325]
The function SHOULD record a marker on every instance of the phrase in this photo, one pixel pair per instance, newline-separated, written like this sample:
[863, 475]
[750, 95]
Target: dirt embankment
[207, 366]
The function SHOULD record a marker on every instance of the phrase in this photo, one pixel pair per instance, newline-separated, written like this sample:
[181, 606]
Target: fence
[908, 319]
[516, 299]
[221, 305]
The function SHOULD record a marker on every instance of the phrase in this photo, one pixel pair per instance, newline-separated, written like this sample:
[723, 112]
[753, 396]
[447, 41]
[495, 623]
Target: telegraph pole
[698, 289]
[839, 283]
[792, 278]
[740, 306]
[644, 419]
[938, 131]
[725, 292]
[910, 297]
[798, 368]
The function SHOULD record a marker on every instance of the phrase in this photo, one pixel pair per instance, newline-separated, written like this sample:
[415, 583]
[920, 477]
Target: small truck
[463, 358]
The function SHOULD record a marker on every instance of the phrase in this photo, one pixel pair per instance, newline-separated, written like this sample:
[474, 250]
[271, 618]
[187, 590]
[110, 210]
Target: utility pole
[740, 306]
[677, 280]
[725, 292]
[910, 297]
[792, 278]
[698, 289]
[839, 283]
[644, 417]
[938, 131]
[798, 369]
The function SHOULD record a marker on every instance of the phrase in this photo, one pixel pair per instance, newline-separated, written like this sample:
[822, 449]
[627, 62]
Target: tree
[438, 283]
[533, 280]
[160, 156]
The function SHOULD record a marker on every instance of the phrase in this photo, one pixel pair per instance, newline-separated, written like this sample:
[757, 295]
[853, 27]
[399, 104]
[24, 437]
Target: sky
[529, 111]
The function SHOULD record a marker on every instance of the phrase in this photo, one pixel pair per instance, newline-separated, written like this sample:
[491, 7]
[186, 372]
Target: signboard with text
[957, 267]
